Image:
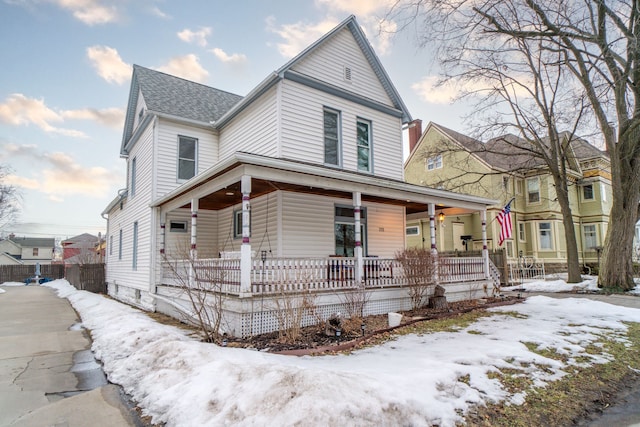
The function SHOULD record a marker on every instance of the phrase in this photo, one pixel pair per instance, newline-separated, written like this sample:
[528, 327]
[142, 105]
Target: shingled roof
[173, 96]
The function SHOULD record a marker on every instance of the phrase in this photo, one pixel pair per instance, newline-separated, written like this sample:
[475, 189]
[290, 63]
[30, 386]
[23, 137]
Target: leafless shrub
[202, 285]
[355, 300]
[419, 271]
[291, 309]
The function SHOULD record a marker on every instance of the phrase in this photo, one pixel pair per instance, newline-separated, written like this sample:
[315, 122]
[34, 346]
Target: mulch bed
[315, 340]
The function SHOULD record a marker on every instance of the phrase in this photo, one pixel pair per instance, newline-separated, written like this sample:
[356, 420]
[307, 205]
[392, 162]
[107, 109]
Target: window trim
[120, 246]
[110, 245]
[595, 236]
[412, 227]
[184, 226]
[528, 194]
[550, 230]
[338, 140]
[237, 222]
[194, 160]
[35, 252]
[522, 233]
[369, 146]
[583, 189]
[134, 169]
[134, 246]
[350, 220]
[433, 162]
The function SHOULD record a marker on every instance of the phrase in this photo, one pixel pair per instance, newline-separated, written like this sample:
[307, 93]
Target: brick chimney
[415, 132]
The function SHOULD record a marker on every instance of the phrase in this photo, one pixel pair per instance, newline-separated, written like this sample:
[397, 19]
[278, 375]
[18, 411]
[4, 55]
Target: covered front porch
[258, 227]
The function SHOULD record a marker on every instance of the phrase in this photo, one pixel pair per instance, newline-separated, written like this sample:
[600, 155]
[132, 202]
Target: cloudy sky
[66, 70]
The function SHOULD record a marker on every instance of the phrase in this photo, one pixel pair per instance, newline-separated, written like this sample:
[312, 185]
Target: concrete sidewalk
[48, 375]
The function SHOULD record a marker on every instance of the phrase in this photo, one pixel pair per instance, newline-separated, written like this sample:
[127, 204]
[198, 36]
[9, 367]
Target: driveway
[48, 375]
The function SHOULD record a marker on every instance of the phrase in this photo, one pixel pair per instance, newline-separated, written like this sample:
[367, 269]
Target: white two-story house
[297, 185]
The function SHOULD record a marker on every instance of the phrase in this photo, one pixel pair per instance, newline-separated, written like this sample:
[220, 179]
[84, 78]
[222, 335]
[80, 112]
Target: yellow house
[443, 158]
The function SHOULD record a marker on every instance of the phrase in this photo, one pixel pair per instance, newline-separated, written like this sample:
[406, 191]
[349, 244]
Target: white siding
[167, 152]
[302, 130]
[385, 229]
[178, 244]
[308, 226]
[263, 226]
[328, 61]
[134, 209]
[254, 130]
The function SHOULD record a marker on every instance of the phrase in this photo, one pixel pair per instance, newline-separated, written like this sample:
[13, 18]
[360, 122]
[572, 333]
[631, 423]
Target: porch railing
[277, 275]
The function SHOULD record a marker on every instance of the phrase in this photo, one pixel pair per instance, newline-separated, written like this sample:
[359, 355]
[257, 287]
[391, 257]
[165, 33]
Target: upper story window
[133, 177]
[505, 183]
[364, 145]
[522, 236]
[331, 137]
[533, 190]
[35, 251]
[187, 150]
[434, 162]
[587, 192]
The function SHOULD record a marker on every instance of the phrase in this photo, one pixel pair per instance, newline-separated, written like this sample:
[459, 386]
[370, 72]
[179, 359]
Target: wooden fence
[20, 273]
[87, 277]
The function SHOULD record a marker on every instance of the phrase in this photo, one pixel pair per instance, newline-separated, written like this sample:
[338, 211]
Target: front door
[458, 231]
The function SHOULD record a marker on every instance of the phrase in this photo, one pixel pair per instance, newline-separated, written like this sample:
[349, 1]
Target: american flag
[504, 218]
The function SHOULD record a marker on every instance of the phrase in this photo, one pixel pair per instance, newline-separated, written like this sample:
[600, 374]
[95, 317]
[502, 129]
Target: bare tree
[9, 198]
[586, 47]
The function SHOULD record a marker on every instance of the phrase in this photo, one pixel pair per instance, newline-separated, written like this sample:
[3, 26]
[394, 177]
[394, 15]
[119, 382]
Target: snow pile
[418, 380]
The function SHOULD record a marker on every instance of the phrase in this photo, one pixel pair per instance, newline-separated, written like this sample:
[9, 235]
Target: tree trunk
[616, 269]
[573, 260]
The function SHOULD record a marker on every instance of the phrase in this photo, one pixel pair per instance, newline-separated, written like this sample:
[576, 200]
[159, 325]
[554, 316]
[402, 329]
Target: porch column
[194, 225]
[193, 252]
[432, 227]
[245, 248]
[434, 250]
[357, 202]
[485, 251]
[163, 230]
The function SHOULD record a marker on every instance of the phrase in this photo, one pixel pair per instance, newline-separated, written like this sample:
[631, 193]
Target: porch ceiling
[231, 195]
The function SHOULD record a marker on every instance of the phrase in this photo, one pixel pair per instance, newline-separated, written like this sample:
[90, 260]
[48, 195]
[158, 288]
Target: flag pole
[494, 218]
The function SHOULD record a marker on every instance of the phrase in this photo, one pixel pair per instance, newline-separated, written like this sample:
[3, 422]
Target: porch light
[441, 217]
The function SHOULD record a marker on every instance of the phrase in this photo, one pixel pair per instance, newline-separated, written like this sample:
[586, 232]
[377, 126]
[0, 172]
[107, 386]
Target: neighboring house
[298, 185]
[26, 250]
[81, 249]
[447, 159]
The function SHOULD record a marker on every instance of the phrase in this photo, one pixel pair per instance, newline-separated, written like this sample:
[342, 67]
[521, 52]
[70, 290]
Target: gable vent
[347, 73]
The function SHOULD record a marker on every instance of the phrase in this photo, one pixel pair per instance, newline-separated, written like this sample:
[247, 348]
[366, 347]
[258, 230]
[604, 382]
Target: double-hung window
[587, 192]
[364, 145]
[533, 190]
[187, 151]
[590, 237]
[545, 236]
[345, 230]
[331, 137]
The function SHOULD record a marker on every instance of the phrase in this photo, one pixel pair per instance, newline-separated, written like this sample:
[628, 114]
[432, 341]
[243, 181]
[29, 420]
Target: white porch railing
[277, 275]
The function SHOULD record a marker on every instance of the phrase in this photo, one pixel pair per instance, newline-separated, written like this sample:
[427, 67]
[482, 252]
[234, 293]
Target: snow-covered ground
[413, 380]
